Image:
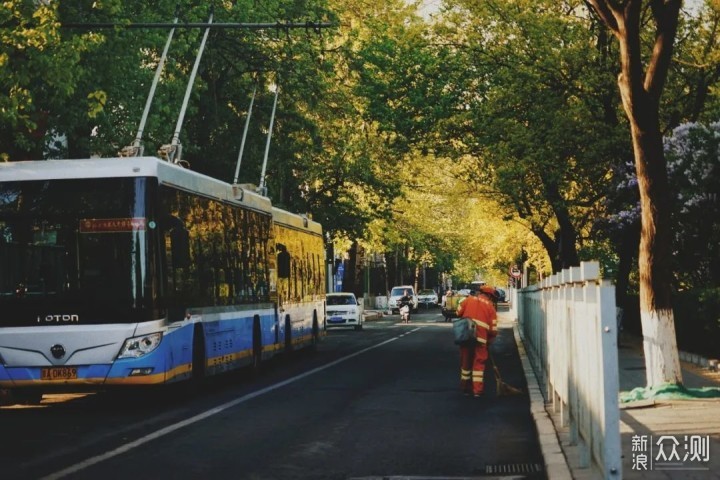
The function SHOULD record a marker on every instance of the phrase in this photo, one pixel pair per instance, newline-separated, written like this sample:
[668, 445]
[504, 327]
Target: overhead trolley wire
[250, 26]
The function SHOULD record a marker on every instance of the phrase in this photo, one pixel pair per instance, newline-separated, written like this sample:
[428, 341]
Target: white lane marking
[409, 332]
[202, 416]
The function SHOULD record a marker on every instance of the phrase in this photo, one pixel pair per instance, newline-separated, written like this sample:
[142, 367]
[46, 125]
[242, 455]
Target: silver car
[428, 298]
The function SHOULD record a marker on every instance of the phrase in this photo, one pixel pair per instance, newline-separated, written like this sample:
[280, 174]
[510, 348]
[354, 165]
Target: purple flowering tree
[693, 151]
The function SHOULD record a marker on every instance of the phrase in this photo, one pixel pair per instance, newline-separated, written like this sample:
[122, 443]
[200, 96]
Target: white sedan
[343, 310]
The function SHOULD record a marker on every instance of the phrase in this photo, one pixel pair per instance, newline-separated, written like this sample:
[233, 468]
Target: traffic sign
[515, 272]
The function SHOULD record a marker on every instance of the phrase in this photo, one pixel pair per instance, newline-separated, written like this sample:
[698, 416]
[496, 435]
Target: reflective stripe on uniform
[481, 324]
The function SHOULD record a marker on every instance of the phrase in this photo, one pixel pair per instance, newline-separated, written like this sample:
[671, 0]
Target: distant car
[501, 295]
[343, 310]
[428, 298]
[398, 292]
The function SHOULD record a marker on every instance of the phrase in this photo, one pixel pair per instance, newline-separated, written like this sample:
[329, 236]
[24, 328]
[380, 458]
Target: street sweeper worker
[479, 306]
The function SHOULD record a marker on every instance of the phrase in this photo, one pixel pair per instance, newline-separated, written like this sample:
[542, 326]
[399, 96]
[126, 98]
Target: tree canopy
[391, 129]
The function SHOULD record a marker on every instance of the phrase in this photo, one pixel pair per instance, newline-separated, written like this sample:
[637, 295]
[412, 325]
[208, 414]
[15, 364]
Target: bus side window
[179, 242]
[180, 247]
[283, 261]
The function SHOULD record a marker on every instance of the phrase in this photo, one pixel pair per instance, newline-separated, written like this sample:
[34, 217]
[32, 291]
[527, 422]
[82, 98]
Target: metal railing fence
[567, 323]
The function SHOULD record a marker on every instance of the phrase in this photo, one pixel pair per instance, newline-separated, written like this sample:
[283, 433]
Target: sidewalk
[679, 418]
[642, 419]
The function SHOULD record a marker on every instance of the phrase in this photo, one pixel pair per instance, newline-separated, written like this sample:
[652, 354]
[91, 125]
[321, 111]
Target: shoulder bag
[464, 331]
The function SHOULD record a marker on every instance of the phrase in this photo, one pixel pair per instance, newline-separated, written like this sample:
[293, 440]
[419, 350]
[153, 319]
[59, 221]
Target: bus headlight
[137, 347]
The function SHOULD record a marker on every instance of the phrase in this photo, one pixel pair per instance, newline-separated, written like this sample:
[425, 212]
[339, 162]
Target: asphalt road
[377, 403]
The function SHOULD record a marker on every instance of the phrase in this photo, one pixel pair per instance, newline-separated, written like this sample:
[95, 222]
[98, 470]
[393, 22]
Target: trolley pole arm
[137, 144]
[242, 143]
[176, 156]
[267, 143]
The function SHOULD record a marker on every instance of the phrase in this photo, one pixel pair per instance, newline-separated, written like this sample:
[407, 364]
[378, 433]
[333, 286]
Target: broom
[502, 387]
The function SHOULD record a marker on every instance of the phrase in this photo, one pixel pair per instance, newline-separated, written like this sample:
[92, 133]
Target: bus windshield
[76, 251]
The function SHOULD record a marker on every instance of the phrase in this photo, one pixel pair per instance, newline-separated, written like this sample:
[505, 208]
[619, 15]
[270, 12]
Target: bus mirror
[180, 245]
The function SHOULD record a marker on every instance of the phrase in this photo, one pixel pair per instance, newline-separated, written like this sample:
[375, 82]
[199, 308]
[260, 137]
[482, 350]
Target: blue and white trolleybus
[136, 271]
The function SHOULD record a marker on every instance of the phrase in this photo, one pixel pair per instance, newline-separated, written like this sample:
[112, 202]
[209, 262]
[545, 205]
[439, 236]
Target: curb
[556, 465]
[696, 359]
[710, 364]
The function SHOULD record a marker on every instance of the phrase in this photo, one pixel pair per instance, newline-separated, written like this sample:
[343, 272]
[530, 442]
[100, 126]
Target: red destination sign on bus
[112, 225]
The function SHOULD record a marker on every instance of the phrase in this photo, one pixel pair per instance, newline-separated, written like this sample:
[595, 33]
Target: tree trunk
[350, 269]
[662, 363]
[566, 235]
[640, 89]
[551, 247]
[362, 273]
[416, 283]
[656, 314]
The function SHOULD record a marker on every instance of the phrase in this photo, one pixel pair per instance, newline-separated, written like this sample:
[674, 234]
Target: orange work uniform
[473, 357]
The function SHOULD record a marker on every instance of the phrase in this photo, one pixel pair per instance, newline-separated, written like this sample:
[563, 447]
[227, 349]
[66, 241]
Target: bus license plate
[59, 373]
[336, 319]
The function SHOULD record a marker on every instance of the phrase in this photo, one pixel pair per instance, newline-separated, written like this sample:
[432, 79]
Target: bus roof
[293, 220]
[121, 167]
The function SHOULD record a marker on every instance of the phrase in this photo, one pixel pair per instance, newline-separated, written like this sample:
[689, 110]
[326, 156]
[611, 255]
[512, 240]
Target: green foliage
[440, 223]
[79, 92]
[503, 116]
[692, 93]
[542, 124]
[539, 123]
[39, 74]
[402, 78]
